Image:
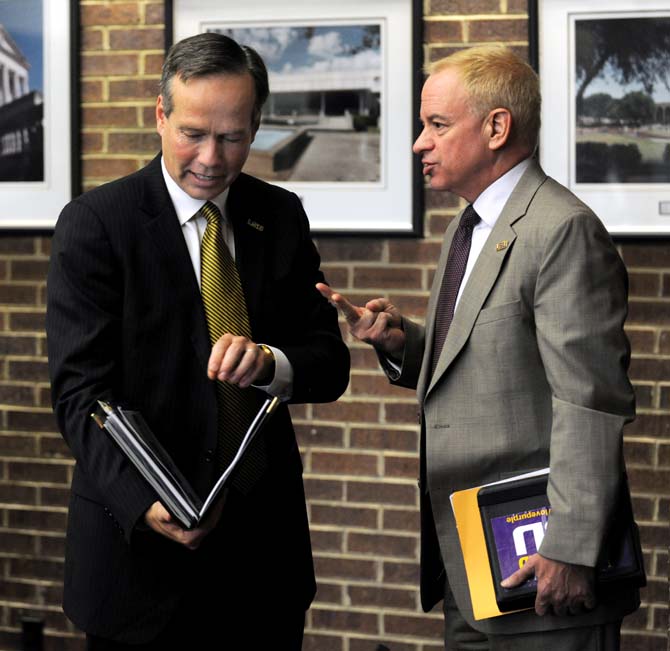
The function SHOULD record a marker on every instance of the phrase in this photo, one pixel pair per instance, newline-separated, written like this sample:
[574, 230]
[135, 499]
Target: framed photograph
[605, 78]
[39, 108]
[341, 118]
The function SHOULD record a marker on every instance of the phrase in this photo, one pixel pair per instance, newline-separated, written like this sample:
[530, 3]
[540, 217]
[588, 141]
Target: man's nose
[209, 153]
[421, 143]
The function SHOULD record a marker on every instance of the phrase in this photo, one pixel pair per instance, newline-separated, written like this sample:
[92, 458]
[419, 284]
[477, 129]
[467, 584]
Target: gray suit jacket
[532, 373]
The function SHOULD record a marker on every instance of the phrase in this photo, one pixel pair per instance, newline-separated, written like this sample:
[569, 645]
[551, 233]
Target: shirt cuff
[282, 383]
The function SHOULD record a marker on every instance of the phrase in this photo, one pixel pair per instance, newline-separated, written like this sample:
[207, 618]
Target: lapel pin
[501, 245]
[256, 225]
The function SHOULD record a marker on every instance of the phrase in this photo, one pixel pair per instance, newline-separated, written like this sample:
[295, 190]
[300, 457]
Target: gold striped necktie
[226, 312]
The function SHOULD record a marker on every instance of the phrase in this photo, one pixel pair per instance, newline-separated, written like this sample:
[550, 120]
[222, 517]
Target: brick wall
[361, 453]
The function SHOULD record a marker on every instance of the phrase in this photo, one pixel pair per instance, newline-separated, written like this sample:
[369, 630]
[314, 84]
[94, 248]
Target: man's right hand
[378, 323]
[159, 519]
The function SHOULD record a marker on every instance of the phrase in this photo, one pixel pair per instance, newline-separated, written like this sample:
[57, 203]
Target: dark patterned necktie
[226, 311]
[451, 281]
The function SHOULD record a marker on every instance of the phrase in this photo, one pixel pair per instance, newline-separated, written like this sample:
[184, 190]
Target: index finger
[349, 310]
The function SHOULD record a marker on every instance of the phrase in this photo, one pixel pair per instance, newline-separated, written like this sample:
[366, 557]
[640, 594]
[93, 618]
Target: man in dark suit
[127, 323]
[522, 361]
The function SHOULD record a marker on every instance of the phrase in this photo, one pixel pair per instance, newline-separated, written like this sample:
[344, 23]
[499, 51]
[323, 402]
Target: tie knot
[211, 212]
[469, 218]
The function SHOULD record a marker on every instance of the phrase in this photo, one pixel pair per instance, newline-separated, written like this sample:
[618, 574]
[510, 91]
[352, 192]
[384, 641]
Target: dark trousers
[265, 627]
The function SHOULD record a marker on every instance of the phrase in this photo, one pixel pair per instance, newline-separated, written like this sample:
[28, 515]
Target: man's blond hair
[495, 77]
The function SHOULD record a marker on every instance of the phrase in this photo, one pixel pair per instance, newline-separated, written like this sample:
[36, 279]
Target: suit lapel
[164, 232]
[482, 279]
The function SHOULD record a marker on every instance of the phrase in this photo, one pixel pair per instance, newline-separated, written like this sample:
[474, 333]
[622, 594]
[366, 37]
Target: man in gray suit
[522, 363]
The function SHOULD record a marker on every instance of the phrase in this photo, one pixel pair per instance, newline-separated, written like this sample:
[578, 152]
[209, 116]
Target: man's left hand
[561, 587]
[240, 361]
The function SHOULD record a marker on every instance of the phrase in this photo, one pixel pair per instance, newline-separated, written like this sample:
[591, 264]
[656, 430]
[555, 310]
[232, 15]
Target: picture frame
[346, 79]
[40, 168]
[606, 106]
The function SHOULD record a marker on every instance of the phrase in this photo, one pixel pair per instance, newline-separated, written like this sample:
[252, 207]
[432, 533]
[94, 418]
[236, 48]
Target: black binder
[522, 506]
[136, 440]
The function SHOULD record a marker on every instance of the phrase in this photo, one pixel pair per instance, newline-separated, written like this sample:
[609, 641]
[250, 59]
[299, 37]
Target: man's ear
[499, 127]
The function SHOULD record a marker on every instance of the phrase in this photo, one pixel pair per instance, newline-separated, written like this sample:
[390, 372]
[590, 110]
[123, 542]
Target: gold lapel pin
[501, 245]
[256, 225]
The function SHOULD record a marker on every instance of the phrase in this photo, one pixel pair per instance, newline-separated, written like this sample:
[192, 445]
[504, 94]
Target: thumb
[520, 576]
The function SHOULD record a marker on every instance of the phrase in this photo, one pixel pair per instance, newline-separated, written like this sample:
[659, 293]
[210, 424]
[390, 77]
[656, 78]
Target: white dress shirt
[488, 205]
[193, 226]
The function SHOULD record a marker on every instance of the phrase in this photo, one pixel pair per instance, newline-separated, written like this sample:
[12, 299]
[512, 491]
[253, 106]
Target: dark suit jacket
[532, 374]
[125, 322]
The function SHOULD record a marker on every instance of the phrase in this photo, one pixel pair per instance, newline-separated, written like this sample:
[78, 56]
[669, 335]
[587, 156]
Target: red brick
[438, 223]
[643, 507]
[349, 249]
[321, 435]
[12, 294]
[114, 116]
[13, 494]
[644, 396]
[37, 519]
[345, 410]
[54, 496]
[108, 168]
[328, 593]
[657, 425]
[396, 572]
[153, 64]
[361, 595]
[109, 65]
[638, 452]
[648, 480]
[382, 545]
[344, 516]
[326, 541]
[401, 466]
[441, 31]
[344, 620]
[15, 590]
[29, 568]
[644, 284]
[37, 472]
[664, 342]
[16, 245]
[27, 421]
[129, 89]
[400, 412]
[364, 358]
[17, 446]
[91, 40]
[385, 439]
[155, 14]
[17, 345]
[375, 385]
[315, 641]
[344, 463]
[115, 13]
[387, 277]
[17, 543]
[137, 39]
[514, 29]
[344, 568]
[411, 305]
[646, 254]
[401, 520]
[381, 493]
[29, 269]
[453, 7]
[324, 489]
[366, 644]
[648, 312]
[419, 625]
[335, 276]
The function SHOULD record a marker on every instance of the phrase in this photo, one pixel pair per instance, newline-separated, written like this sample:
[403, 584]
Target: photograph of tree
[622, 100]
[322, 121]
[21, 94]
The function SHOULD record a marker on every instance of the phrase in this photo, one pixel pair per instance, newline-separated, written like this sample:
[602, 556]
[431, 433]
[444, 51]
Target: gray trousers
[460, 636]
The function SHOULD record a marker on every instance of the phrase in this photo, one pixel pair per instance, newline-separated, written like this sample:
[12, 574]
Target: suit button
[209, 456]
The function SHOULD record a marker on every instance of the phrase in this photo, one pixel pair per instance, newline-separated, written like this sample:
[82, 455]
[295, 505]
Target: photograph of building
[21, 101]
[322, 121]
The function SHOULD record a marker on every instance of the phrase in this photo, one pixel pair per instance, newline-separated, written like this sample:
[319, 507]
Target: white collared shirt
[489, 205]
[193, 225]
